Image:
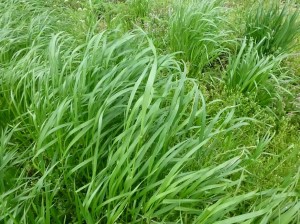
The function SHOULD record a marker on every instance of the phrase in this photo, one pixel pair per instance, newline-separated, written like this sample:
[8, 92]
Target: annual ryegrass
[253, 74]
[112, 129]
[99, 126]
[275, 25]
[196, 30]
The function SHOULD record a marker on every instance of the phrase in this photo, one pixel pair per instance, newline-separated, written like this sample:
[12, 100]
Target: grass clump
[196, 31]
[252, 74]
[108, 141]
[98, 126]
[275, 26]
[140, 8]
[125, 15]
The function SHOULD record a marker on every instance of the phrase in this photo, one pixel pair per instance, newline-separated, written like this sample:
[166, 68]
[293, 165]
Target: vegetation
[149, 112]
[275, 25]
[196, 31]
[250, 73]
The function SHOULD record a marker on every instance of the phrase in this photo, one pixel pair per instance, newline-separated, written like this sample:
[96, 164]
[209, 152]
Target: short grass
[148, 112]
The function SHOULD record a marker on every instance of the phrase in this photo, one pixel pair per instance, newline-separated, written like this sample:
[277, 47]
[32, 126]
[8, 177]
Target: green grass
[196, 31]
[275, 25]
[106, 117]
[252, 74]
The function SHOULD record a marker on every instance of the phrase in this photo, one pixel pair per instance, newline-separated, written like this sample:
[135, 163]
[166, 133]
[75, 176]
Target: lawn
[139, 111]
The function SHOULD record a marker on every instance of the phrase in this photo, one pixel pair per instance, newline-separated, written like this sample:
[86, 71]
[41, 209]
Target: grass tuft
[276, 26]
[252, 74]
[99, 125]
[196, 31]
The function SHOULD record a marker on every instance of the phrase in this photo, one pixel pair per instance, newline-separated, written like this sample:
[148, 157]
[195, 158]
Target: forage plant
[101, 127]
[276, 26]
[253, 74]
[196, 31]
[108, 141]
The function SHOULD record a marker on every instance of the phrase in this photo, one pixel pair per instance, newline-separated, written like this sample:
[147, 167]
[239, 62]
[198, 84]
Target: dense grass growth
[196, 31]
[99, 125]
[275, 25]
[250, 73]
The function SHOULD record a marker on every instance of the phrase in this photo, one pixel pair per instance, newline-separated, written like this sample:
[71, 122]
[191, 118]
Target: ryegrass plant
[275, 26]
[125, 15]
[196, 31]
[250, 73]
[140, 8]
[106, 130]
[100, 135]
[109, 131]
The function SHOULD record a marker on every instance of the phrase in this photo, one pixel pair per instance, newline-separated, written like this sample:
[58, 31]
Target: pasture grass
[147, 112]
[275, 25]
[253, 74]
[197, 31]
